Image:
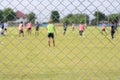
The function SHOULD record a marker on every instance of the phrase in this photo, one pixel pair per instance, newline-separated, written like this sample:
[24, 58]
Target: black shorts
[103, 29]
[112, 32]
[80, 32]
[5, 29]
[65, 29]
[37, 28]
[29, 28]
[20, 31]
[50, 35]
[2, 27]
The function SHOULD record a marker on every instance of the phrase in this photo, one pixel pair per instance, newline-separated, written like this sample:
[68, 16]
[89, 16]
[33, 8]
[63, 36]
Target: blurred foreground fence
[93, 56]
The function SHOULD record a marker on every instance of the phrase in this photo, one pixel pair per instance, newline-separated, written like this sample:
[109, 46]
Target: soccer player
[1, 31]
[21, 29]
[73, 25]
[112, 29]
[81, 28]
[51, 30]
[36, 28]
[65, 27]
[5, 27]
[2, 26]
[28, 28]
[104, 28]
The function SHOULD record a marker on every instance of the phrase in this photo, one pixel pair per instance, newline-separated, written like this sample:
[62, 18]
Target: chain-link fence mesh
[94, 55]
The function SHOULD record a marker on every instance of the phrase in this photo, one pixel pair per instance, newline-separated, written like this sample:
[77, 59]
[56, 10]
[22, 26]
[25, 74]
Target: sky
[43, 8]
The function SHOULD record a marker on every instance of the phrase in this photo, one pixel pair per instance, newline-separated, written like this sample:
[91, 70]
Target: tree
[77, 18]
[9, 14]
[1, 15]
[69, 18]
[114, 17]
[84, 18]
[99, 16]
[55, 16]
[31, 17]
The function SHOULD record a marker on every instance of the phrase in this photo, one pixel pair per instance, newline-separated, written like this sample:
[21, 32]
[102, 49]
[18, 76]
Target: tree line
[9, 14]
[77, 18]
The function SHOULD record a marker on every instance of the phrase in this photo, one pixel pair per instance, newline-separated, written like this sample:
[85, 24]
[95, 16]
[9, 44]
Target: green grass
[92, 57]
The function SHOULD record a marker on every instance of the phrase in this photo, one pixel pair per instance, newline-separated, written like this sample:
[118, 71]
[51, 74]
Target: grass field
[91, 57]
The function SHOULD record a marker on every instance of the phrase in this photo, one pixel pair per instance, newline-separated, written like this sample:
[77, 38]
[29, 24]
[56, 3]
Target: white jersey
[1, 31]
[5, 25]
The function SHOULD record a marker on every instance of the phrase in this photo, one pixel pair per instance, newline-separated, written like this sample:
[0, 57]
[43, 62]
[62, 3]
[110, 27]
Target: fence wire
[94, 55]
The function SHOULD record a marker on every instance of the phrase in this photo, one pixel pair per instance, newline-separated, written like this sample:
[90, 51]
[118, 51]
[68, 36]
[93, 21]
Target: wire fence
[89, 54]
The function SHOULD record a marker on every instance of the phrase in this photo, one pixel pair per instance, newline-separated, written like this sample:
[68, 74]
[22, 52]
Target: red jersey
[73, 25]
[103, 26]
[81, 27]
[20, 26]
[29, 25]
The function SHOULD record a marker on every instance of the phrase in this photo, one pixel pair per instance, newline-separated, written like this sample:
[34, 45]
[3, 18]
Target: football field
[93, 56]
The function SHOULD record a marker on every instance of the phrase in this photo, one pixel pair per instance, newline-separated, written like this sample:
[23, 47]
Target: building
[20, 16]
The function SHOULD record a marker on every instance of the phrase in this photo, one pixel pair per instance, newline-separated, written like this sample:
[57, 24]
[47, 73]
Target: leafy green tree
[69, 18]
[55, 16]
[84, 18]
[1, 15]
[77, 18]
[113, 17]
[9, 14]
[31, 17]
[99, 16]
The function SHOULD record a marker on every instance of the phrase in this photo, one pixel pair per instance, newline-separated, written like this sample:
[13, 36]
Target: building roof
[19, 14]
